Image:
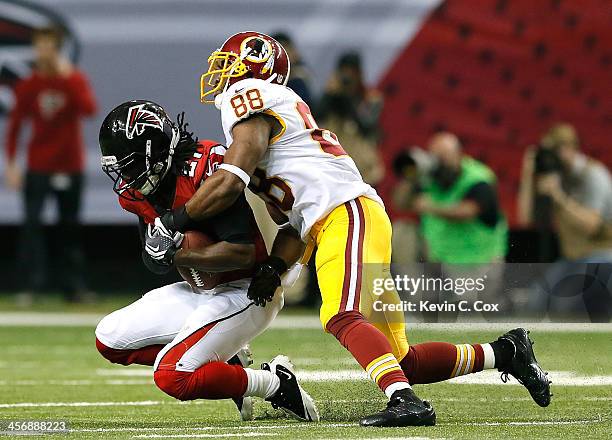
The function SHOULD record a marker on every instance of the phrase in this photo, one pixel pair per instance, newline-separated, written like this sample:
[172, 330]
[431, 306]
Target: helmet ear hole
[158, 167]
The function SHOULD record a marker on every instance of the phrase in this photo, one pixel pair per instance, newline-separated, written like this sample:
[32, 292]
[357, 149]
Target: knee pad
[107, 330]
[173, 383]
[112, 354]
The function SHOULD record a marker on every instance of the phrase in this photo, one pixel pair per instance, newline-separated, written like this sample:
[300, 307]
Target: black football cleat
[524, 367]
[244, 357]
[403, 409]
[290, 396]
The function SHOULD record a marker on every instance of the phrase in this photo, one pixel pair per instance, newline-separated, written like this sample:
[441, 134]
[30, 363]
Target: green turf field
[51, 373]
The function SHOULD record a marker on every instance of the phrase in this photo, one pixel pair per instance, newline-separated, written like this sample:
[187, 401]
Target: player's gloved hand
[175, 220]
[164, 230]
[160, 247]
[155, 266]
[266, 280]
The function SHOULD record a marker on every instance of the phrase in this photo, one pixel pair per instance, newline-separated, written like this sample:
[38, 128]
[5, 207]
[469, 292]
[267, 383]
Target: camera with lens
[413, 164]
[546, 160]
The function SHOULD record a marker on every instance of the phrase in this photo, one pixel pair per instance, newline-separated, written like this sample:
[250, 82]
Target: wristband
[237, 171]
[277, 263]
[180, 219]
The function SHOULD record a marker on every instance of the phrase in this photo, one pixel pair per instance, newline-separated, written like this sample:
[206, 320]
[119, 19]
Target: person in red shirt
[54, 98]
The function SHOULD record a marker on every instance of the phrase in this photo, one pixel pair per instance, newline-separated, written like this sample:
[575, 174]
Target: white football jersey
[305, 171]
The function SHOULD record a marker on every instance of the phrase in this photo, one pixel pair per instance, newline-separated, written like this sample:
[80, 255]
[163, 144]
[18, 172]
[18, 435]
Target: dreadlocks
[186, 146]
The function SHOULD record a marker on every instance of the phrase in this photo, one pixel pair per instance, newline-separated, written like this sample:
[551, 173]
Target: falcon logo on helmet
[244, 55]
[138, 118]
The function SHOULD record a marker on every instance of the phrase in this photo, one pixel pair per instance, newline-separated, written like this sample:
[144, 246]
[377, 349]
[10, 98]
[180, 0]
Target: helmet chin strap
[219, 100]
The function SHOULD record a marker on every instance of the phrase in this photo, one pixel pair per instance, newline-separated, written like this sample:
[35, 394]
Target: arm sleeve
[16, 118]
[484, 196]
[233, 225]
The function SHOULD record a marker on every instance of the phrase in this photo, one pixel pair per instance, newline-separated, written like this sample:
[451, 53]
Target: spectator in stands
[579, 189]
[300, 77]
[462, 225]
[351, 110]
[54, 98]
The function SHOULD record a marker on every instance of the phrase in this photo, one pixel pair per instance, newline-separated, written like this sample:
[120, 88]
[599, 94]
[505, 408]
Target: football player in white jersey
[314, 191]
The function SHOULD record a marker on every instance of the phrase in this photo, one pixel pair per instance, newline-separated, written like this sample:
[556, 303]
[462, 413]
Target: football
[197, 278]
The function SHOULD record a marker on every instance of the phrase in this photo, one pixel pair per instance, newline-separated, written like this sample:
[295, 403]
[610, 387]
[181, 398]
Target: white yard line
[534, 423]
[391, 438]
[130, 372]
[201, 402]
[59, 319]
[81, 404]
[85, 382]
[95, 404]
[489, 377]
[39, 319]
[216, 428]
[224, 435]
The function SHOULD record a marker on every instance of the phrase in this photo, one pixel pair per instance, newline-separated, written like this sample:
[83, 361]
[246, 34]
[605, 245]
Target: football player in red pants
[193, 338]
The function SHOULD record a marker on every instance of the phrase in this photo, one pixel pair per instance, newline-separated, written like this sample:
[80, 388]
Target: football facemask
[137, 175]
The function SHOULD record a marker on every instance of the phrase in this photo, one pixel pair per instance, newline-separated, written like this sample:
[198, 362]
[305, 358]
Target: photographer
[577, 193]
[462, 225]
[457, 201]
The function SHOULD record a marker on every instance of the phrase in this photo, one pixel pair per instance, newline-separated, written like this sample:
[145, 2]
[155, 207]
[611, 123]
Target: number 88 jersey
[305, 172]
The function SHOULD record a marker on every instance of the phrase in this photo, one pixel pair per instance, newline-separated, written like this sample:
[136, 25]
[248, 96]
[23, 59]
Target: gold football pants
[353, 250]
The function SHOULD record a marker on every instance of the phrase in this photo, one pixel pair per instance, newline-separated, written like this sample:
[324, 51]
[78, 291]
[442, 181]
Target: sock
[437, 361]
[215, 380]
[261, 383]
[142, 356]
[370, 348]
[396, 386]
[502, 351]
[489, 357]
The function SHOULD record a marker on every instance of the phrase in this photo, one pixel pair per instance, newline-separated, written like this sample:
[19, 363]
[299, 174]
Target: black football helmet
[137, 140]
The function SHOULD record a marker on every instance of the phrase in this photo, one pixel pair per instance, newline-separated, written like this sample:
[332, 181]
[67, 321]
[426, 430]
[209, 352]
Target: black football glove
[266, 280]
[155, 266]
[176, 220]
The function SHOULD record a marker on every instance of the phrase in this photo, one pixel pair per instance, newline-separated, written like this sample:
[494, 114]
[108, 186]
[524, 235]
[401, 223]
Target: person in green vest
[462, 225]
[461, 221]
